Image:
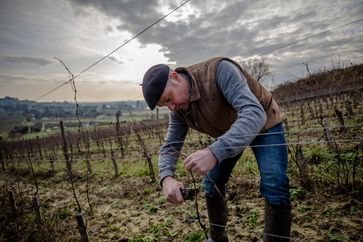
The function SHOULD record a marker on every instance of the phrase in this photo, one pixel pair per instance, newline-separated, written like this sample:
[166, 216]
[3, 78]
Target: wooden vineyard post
[340, 117]
[88, 153]
[39, 148]
[113, 159]
[147, 156]
[118, 133]
[82, 227]
[302, 114]
[79, 217]
[151, 168]
[321, 109]
[52, 161]
[311, 110]
[286, 123]
[329, 138]
[348, 107]
[303, 167]
[38, 218]
[65, 150]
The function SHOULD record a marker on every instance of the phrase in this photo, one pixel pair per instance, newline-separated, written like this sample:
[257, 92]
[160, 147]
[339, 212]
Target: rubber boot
[217, 213]
[277, 223]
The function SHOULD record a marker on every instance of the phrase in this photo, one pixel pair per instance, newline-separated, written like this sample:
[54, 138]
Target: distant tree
[28, 116]
[19, 130]
[257, 67]
[37, 127]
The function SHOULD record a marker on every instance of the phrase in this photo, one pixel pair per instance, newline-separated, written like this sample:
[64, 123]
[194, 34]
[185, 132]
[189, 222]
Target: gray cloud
[133, 14]
[26, 60]
[29, 79]
[232, 28]
[5, 78]
[108, 29]
[114, 59]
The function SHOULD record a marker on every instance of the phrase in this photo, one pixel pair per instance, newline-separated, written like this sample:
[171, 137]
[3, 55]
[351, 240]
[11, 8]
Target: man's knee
[210, 188]
[276, 190]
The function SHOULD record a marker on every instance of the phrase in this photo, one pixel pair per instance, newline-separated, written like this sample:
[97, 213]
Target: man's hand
[200, 161]
[171, 190]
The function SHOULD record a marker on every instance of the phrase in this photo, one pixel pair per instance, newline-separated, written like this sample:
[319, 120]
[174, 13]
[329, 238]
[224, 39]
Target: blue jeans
[270, 150]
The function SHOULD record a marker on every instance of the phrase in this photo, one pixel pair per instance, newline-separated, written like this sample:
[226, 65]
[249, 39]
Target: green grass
[252, 219]
[65, 213]
[330, 213]
[197, 236]
[336, 235]
[246, 165]
[156, 232]
[31, 136]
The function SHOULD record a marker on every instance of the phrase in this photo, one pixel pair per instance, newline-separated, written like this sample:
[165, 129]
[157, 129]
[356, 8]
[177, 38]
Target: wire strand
[119, 47]
[309, 37]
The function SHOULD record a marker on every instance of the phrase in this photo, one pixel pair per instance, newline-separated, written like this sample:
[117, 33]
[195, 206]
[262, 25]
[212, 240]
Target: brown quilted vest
[209, 111]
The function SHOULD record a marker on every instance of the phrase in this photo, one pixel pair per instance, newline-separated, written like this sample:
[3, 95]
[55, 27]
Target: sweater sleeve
[251, 116]
[169, 152]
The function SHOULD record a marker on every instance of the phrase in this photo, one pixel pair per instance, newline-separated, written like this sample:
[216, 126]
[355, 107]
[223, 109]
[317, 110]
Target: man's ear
[175, 76]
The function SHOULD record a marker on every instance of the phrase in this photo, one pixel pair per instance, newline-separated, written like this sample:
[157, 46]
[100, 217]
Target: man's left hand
[200, 161]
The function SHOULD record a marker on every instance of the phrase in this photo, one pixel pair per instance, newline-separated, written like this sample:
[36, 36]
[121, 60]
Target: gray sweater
[250, 120]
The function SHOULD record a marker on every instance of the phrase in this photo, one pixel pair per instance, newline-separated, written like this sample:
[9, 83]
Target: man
[219, 98]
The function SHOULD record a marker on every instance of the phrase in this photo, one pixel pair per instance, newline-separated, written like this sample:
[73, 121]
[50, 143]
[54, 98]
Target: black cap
[153, 84]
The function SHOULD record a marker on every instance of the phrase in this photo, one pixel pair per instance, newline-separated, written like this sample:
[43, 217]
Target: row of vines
[324, 137]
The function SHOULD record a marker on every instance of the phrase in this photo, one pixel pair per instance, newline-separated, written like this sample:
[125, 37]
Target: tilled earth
[133, 209]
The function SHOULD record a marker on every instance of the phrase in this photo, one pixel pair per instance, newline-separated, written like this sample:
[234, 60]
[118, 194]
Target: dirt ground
[133, 209]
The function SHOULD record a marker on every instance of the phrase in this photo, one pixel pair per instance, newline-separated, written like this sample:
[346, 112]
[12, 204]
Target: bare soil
[134, 209]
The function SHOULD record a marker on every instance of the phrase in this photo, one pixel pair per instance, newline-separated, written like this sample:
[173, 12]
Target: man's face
[176, 95]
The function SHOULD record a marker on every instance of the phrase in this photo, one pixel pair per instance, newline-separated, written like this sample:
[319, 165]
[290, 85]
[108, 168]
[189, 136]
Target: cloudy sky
[81, 32]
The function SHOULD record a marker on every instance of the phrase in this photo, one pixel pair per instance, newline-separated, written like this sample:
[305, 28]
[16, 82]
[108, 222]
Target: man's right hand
[171, 190]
